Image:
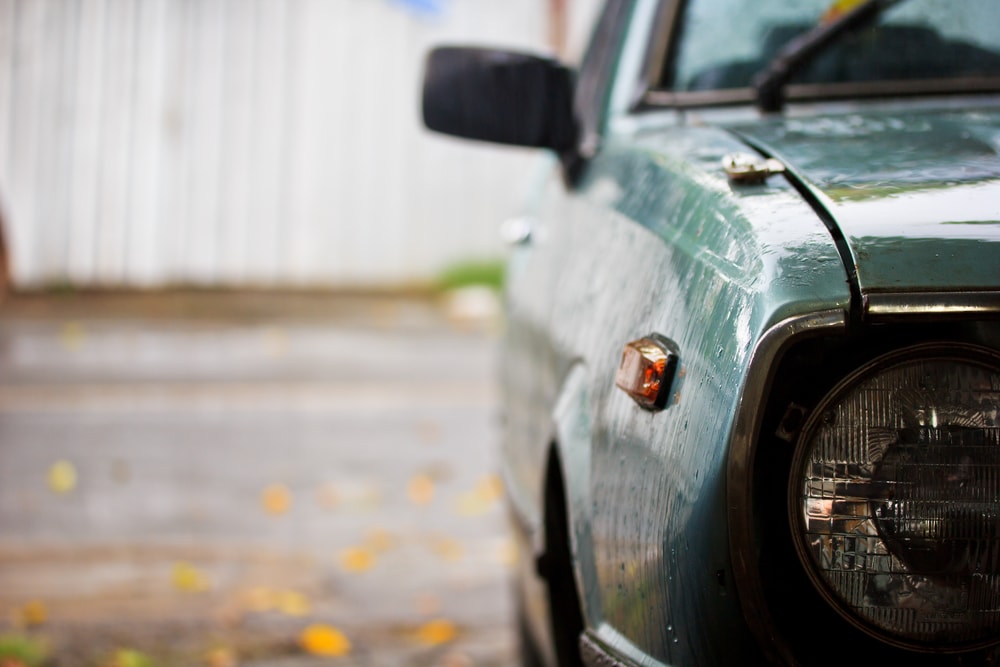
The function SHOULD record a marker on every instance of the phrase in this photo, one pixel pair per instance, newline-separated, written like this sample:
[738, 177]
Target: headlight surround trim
[880, 367]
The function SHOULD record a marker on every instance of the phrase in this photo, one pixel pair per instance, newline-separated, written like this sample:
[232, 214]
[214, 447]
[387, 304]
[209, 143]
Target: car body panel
[915, 193]
[892, 203]
[653, 239]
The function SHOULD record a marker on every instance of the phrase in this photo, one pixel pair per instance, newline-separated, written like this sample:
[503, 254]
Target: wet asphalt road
[203, 477]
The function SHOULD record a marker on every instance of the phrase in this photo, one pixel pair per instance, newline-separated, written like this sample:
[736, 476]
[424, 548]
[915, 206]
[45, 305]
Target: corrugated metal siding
[215, 142]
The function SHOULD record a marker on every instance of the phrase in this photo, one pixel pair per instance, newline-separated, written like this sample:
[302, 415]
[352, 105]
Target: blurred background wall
[148, 143]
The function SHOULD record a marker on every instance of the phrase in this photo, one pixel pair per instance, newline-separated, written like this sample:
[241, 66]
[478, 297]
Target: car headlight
[895, 497]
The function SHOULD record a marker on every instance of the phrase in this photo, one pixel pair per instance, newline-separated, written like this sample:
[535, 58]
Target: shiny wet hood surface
[916, 194]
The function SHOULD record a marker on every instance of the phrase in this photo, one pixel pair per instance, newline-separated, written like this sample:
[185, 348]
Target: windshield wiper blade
[770, 82]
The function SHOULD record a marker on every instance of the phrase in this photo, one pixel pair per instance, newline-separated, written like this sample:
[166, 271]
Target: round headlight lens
[895, 497]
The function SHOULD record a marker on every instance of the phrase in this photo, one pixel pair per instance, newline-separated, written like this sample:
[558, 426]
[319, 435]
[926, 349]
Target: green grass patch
[489, 273]
[125, 657]
[20, 650]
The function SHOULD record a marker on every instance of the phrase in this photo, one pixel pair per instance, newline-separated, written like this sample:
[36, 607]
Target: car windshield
[722, 44]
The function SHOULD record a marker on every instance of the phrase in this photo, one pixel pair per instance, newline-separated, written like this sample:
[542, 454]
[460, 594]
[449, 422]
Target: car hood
[915, 194]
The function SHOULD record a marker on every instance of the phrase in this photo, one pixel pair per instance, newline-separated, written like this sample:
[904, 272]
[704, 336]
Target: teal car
[751, 368]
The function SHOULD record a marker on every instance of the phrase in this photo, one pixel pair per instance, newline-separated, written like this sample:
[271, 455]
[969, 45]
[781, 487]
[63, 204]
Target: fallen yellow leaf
[325, 640]
[276, 499]
[508, 553]
[490, 488]
[73, 335]
[481, 499]
[449, 549]
[437, 632]
[190, 579]
[221, 657]
[420, 489]
[357, 559]
[62, 477]
[33, 613]
[838, 9]
[125, 657]
[380, 541]
[293, 603]
[471, 504]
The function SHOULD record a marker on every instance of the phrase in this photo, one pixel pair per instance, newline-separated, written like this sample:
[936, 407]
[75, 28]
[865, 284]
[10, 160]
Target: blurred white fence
[243, 142]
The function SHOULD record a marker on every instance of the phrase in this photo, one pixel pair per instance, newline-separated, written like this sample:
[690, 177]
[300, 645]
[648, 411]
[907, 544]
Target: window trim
[662, 44]
[661, 53]
[825, 92]
[597, 66]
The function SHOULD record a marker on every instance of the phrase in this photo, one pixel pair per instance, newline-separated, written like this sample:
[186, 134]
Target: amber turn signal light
[646, 371]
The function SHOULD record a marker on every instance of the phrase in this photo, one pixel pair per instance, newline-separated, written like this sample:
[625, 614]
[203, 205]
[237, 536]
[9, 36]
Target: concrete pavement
[203, 478]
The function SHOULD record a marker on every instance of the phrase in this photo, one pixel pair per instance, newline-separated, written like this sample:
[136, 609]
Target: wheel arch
[570, 457]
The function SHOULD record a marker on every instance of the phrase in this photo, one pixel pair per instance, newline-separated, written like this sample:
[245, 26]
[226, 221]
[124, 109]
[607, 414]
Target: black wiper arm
[770, 82]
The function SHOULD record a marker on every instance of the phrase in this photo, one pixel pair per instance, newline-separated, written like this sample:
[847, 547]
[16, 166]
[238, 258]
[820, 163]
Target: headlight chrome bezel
[879, 367]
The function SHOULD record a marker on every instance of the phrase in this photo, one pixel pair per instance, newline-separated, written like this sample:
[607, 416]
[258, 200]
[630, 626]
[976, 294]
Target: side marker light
[646, 371]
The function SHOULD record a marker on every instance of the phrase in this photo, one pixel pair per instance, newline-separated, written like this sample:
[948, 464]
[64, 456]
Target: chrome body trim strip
[879, 307]
[595, 653]
[658, 50]
[896, 306]
[739, 482]
[685, 99]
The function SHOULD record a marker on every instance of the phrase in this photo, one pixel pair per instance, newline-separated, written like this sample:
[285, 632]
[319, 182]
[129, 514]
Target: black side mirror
[499, 96]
